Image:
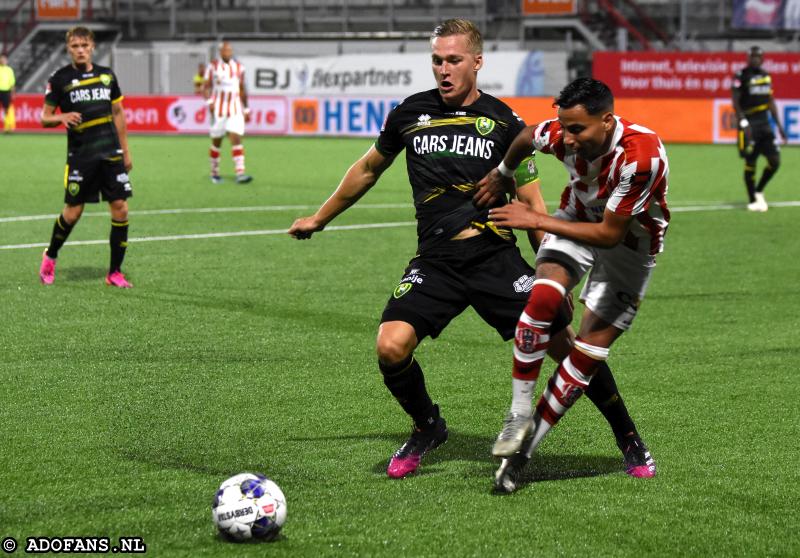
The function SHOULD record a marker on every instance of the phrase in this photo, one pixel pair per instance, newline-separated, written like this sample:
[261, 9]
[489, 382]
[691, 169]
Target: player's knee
[72, 213]
[392, 350]
[119, 210]
[393, 347]
[774, 163]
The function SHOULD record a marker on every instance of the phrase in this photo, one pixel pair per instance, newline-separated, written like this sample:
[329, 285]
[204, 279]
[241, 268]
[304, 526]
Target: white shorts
[616, 283]
[233, 124]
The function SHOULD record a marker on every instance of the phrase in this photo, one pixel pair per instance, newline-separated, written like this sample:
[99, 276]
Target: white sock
[540, 429]
[522, 398]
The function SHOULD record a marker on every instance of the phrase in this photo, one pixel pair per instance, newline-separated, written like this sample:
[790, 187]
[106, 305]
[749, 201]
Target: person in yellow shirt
[199, 79]
[7, 83]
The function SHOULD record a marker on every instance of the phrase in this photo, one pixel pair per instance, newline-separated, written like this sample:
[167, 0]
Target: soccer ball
[249, 506]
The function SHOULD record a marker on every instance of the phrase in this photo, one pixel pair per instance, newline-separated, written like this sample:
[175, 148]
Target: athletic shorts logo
[402, 289]
[629, 300]
[105, 79]
[484, 125]
[73, 188]
[524, 284]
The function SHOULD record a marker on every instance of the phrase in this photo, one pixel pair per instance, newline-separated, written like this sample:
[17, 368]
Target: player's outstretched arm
[118, 115]
[500, 180]
[358, 179]
[605, 234]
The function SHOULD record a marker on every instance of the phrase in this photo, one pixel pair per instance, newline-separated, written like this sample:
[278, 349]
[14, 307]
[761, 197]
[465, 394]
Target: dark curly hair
[593, 95]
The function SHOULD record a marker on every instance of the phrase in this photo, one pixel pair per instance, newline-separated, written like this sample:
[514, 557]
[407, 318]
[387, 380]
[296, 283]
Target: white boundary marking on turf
[213, 235]
[178, 211]
[711, 206]
[688, 208]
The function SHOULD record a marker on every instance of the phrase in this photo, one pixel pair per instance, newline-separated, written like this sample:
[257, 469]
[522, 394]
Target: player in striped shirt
[226, 96]
[610, 226]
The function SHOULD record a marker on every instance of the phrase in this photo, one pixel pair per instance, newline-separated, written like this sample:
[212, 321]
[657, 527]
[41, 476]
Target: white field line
[212, 235]
[707, 206]
[688, 208]
[179, 211]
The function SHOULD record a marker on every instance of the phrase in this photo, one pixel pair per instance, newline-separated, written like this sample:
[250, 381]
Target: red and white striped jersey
[629, 179]
[226, 80]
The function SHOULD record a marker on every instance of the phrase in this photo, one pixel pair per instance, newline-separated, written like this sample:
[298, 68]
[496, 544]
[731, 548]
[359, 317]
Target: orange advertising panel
[305, 115]
[58, 9]
[674, 120]
[548, 7]
[725, 121]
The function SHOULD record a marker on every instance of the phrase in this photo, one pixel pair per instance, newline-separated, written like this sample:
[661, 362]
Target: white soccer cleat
[515, 428]
[761, 202]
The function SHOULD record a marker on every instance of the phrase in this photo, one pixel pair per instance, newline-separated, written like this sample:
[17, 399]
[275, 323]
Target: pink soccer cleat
[406, 460]
[638, 461]
[117, 279]
[47, 271]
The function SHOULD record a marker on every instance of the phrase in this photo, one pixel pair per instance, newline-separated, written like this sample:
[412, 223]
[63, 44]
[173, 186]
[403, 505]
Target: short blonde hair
[461, 27]
[80, 31]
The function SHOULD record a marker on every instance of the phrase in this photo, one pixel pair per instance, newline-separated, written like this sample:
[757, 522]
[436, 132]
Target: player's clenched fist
[304, 227]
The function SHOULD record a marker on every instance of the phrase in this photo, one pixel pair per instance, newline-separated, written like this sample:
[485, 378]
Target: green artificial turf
[122, 411]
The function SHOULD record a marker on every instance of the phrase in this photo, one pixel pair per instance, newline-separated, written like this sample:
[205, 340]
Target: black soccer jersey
[448, 150]
[91, 94]
[755, 90]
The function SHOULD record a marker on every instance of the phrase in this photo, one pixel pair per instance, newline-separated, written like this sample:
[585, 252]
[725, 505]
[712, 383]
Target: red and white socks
[237, 151]
[565, 387]
[532, 340]
[213, 154]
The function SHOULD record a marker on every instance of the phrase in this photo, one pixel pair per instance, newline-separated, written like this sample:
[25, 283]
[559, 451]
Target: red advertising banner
[58, 9]
[177, 115]
[689, 74]
[548, 7]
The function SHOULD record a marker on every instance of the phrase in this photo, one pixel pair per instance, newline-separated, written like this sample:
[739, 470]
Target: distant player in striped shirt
[226, 96]
[609, 228]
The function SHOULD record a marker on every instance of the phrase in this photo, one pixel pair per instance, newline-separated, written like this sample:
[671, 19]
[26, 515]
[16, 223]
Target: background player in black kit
[98, 161]
[753, 103]
[453, 135]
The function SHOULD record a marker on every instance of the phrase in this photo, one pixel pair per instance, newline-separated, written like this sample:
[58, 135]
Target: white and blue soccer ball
[249, 506]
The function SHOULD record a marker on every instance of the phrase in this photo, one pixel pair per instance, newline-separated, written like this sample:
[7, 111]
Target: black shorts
[84, 181]
[484, 272]
[759, 141]
[5, 99]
